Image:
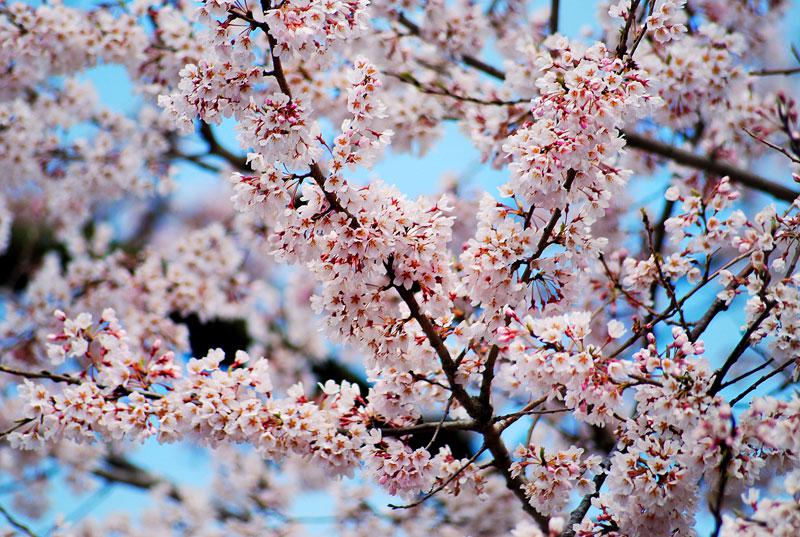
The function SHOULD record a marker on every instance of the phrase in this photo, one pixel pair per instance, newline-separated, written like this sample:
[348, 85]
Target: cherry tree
[606, 344]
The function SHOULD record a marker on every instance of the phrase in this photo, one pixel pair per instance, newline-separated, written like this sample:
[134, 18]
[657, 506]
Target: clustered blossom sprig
[202, 401]
[585, 96]
[553, 356]
[553, 476]
[124, 396]
[666, 19]
[281, 131]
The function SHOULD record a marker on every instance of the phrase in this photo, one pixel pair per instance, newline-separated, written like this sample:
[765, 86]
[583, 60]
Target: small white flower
[615, 329]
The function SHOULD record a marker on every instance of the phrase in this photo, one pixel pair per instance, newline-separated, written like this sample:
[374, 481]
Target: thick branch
[554, 16]
[448, 365]
[491, 435]
[687, 158]
[454, 425]
[502, 461]
[485, 397]
[215, 148]
[120, 470]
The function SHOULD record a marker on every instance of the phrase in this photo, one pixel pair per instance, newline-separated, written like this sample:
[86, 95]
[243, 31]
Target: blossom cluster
[585, 95]
[553, 476]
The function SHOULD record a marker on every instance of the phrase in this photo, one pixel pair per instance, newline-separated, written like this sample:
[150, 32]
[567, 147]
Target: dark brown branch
[622, 46]
[408, 78]
[577, 514]
[484, 67]
[472, 61]
[665, 282]
[448, 365]
[528, 410]
[455, 425]
[278, 74]
[685, 158]
[16, 523]
[746, 374]
[737, 351]
[716, 167]
[198, 161]
[491, 435]
[554, 16]
[659, 231]
[119, 470]
[445, 414]
[55, 377]
[774, 72]
[444, 483]
[488, 377]
[215, 148]
[502, 461]
[716, 507]
[668, 311]
[544, 240]
[17, 424]
[719, 305]
[762, 380]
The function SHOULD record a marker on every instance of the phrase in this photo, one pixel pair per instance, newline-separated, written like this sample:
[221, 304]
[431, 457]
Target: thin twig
[746, 374]
[19, 423]
[762, 380]
[774, 72]
[55, 377]
[16, 523]
[441, 422]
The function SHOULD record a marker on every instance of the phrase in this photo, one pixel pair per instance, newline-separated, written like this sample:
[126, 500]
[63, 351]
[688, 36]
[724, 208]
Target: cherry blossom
[605, 344]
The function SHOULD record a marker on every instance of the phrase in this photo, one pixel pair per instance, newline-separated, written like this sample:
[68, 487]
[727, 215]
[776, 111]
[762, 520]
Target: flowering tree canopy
[608, 344]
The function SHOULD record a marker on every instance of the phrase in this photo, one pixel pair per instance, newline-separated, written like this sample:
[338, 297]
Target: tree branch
[55, 377]
[718, 305]
[554, 16]
[577, 514]
[502, 461]
[454, 425]
[16, 523]
[762, 380]
[709, 165]
[215, 148]
[642, 143]
[736, 353]
[444, 484]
